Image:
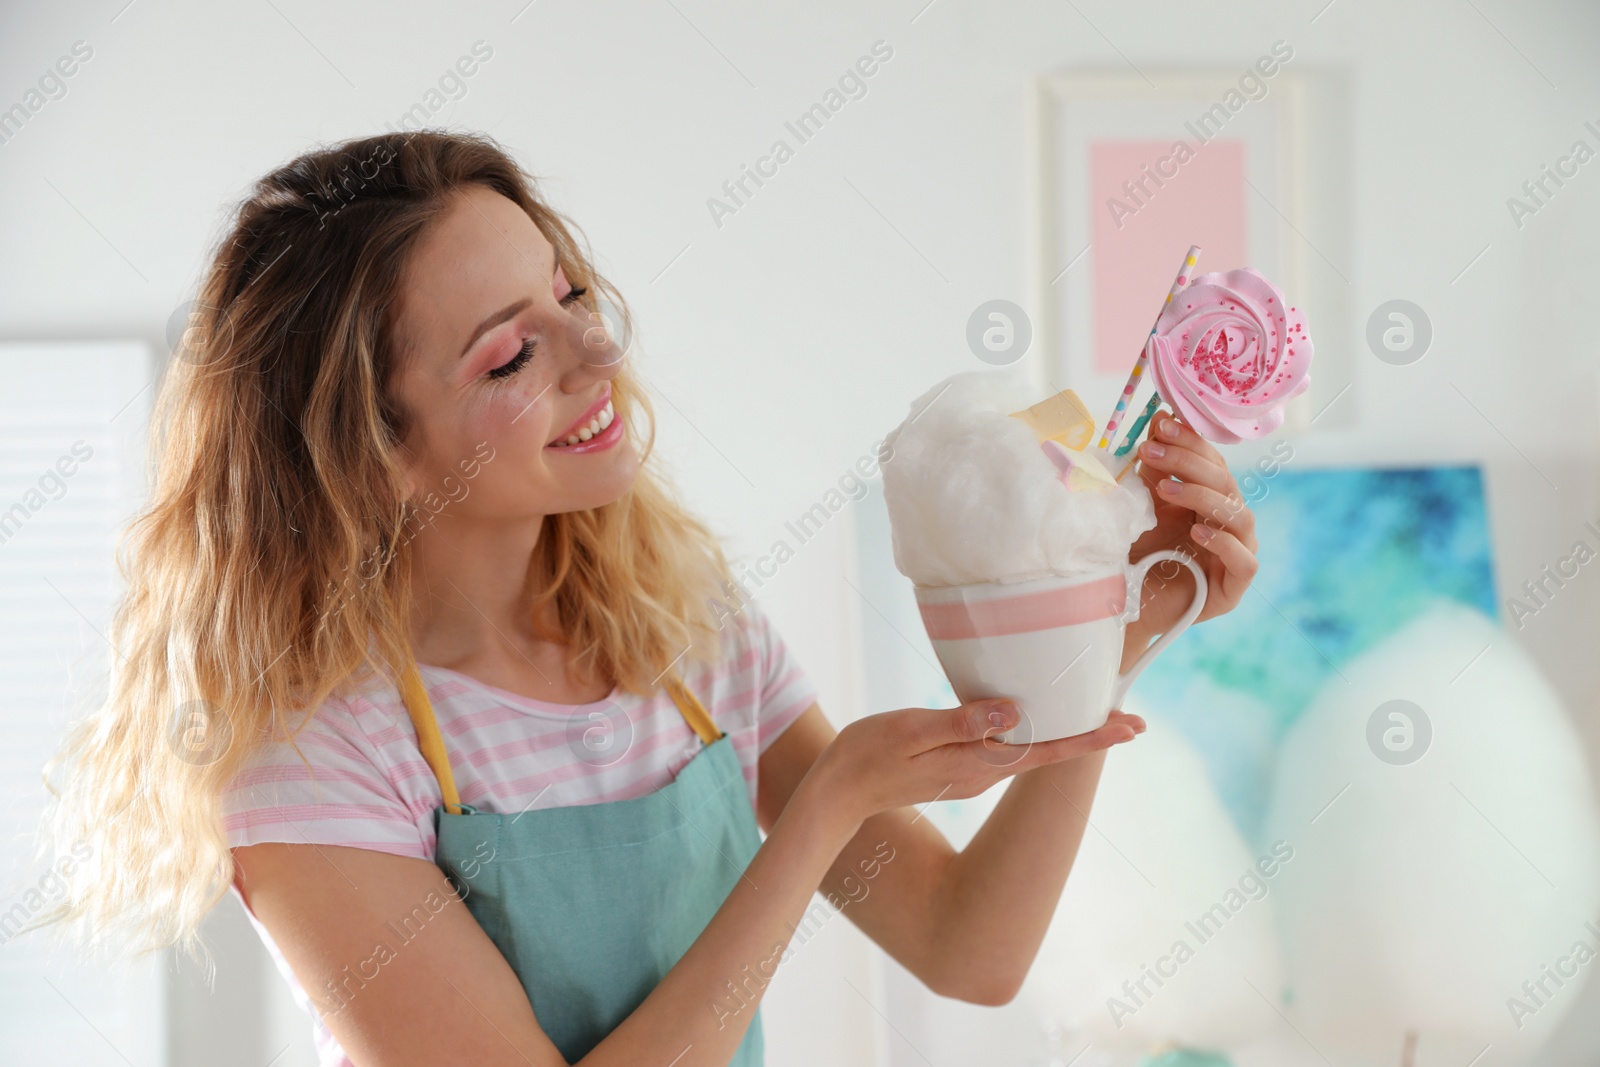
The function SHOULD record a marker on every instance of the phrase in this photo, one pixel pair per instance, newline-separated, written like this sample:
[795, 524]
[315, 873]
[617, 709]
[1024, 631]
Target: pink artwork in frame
[1142, 229]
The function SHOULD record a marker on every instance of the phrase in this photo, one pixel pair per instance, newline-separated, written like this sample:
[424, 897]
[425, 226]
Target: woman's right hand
[916, 755]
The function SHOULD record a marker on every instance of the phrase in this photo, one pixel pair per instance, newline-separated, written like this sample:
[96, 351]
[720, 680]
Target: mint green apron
[592, 904]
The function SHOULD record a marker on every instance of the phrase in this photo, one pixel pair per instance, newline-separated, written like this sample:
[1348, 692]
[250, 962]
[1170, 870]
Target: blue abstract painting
[1348, 556]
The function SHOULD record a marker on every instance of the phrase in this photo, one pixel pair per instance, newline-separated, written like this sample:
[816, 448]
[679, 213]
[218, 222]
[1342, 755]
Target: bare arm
[1004, 887]
[447, 996]
[328, 909]
[968, 924]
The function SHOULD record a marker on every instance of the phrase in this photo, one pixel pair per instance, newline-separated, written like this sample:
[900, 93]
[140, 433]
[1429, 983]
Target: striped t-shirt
[367, 785]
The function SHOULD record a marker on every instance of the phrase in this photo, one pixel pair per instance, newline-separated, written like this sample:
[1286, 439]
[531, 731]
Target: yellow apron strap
[692, 710]
[429, 739]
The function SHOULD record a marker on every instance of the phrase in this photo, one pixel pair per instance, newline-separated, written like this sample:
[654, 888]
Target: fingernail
[1153, 450]
[1168, 429]
[1002, 714]
[1203, 533]
[1169, 485]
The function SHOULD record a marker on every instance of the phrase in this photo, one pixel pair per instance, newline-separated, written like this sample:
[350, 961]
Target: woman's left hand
[1199, 512]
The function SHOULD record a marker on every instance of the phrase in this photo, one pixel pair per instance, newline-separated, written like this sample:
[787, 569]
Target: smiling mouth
[592, 424]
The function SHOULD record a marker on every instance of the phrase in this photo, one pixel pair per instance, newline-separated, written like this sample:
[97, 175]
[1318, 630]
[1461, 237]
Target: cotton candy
[972, 497]
[1168, 917]
[1425, 894]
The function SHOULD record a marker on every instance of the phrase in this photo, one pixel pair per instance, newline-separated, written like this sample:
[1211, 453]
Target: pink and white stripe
[1020, 613]
[368, 786]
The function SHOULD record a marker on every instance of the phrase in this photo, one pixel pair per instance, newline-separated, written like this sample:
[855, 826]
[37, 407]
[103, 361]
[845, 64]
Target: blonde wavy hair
[270, 566]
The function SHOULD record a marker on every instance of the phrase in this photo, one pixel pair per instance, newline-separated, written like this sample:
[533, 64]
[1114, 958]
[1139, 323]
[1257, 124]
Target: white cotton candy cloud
[972, 498]
[1165, 934]
[1448, 875]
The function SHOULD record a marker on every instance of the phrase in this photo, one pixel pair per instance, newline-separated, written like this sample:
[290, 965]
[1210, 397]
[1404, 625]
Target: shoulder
[348, 773]
[758, 678]
[757, 641]
[746, 639]
[746, 627]
[357, 727]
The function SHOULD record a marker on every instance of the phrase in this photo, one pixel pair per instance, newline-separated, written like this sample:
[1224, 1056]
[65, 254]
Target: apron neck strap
[431, 741]
[693, 712]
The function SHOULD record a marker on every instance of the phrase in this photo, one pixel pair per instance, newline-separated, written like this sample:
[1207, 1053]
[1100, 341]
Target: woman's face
[503, 367]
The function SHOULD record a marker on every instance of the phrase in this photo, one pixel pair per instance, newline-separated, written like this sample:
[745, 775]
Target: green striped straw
[1138, 426]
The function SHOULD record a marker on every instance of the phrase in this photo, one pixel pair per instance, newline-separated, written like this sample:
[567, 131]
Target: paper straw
[1184, 273]
[1138, 426]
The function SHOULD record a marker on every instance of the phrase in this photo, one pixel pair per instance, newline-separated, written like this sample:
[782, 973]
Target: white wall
[793, 336]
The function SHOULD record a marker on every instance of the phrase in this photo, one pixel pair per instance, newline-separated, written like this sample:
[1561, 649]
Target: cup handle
[1136, 576]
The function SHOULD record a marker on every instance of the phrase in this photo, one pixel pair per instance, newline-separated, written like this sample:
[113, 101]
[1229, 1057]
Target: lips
[595, 418]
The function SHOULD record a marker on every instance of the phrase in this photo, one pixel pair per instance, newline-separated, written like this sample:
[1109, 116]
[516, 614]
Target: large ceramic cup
[1053, 645]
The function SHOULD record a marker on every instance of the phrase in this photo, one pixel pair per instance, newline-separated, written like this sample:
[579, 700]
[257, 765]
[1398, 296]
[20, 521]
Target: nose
[593, 343]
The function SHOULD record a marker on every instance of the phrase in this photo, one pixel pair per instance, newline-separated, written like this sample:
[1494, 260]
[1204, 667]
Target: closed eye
[515, 363]
[525, 353]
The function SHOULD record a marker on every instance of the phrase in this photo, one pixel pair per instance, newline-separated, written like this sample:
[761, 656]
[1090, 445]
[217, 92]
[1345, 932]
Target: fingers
[969, 768]
[1214, 496]
[1171, 430]
[1008, 759]
[1238, 561]
[1180, 462]
[1212, 508]
[972, 721]
[1117, 729]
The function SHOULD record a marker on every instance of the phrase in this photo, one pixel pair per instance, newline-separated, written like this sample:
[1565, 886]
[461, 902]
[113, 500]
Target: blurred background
[1400, 719]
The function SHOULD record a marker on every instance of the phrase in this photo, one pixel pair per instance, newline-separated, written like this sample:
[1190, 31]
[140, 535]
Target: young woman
[420, 658]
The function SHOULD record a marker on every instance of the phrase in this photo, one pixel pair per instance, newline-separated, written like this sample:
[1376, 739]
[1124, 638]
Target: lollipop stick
[1184, 273]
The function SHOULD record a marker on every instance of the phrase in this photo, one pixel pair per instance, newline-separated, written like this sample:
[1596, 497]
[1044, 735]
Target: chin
[593, 481]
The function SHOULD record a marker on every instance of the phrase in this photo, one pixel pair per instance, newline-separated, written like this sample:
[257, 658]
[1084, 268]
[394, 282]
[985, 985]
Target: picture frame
[1088, 123]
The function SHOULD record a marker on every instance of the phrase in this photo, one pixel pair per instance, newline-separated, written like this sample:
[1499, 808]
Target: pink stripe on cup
[1044, 610]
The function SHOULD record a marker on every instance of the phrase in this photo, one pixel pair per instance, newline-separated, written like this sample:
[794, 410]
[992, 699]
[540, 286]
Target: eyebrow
[509, 310]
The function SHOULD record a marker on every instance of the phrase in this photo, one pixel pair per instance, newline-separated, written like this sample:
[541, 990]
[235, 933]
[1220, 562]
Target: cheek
[514, 414]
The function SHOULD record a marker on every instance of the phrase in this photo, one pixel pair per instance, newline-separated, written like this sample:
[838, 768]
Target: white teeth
[599, 422]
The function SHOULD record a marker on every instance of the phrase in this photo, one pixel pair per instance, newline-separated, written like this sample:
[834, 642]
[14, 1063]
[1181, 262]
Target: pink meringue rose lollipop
[1227, 353]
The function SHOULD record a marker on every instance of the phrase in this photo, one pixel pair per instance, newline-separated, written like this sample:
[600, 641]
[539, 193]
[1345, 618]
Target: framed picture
[1128, 173]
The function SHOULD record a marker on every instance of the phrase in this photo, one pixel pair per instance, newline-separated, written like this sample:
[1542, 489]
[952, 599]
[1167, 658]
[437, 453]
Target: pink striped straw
[1185, 272]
